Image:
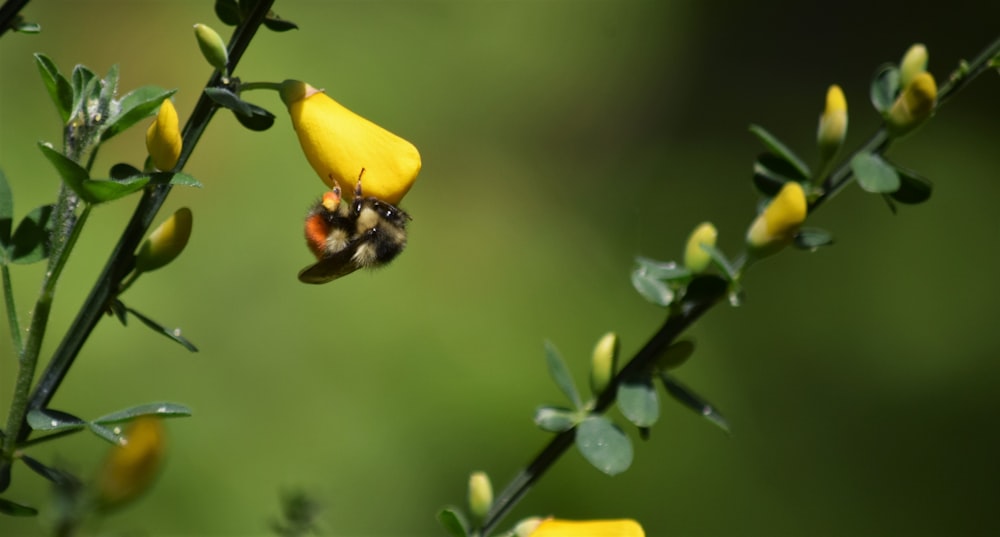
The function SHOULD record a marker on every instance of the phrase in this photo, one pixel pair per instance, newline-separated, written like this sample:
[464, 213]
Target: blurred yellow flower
[339, 143]
[132, 465]
[914, 62]
[166, 242]
[163, 137]
[832, 124]
[480, 494]
[696, 259]
[914, 105]
[553, 527]
[604, 362]
[777, 224]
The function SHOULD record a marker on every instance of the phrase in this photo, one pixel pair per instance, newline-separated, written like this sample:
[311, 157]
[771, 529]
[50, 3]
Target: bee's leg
[357, 188]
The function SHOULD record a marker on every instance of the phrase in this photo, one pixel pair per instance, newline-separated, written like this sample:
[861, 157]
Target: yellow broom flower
[696, 259]
[339, 144]
[777, 224]
[132, 466]
[832, 124]
[166, 242]
[163, 137]
[553, 527]
[913, 106]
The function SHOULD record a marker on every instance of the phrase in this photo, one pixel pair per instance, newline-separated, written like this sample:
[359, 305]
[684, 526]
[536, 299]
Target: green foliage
[604, 445]
[874, 173]
[453, 521]
[781, 151]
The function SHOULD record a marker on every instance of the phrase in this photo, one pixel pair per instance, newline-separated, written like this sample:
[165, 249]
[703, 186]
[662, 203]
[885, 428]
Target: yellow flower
[553, 527]
[163, 138]
[832, 124]
[132, 465]
[480, 494]
[777, 224]
[339, 144]
[603, 363]
[913, 106]
[914, 62]
[696, 259]
[166, 242]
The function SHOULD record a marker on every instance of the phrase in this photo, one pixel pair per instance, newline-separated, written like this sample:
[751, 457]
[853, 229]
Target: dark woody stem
[122, 259]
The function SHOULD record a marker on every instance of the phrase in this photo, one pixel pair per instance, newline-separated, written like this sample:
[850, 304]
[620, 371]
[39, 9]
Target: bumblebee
[345, 237]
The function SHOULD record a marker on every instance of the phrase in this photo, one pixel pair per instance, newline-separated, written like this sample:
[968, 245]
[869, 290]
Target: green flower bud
[696, 259]
[213, 48]
[914, 62]
[166, 242]
[604, 362]
[480, 494]
[776, 226]
[832, 125]
[913, 106]
[132, 465]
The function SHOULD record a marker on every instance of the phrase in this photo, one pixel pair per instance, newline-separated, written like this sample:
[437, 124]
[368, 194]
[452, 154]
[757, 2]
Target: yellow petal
[779, 222]
[604, 362]
[589, 528]
[166, 242]
[339, 144]
[696, 259]
[832, 124]
[131, 466]
[913, 63]
[913, 106]
[163, 137]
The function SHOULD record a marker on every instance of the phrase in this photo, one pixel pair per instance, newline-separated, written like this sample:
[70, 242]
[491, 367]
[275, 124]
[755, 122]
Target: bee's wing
[330, 268]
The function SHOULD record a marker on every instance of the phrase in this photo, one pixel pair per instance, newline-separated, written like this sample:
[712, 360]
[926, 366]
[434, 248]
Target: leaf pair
[28, 243]
[106, 427]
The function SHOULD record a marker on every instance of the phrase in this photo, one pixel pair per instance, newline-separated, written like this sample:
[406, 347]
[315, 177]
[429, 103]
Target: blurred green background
[560, 139]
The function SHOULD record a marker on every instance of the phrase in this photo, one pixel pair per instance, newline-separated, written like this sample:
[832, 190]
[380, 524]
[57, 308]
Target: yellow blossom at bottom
[132, 465]
[554, 527]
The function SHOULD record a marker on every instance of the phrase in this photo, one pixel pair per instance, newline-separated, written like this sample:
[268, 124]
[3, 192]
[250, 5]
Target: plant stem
[8, 295]
[8, 12]
[123, 258]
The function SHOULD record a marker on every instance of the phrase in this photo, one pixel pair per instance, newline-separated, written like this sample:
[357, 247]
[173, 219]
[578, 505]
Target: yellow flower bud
[339, 143]
[696, 259]
[163, 138]
[480, 494]
[166, 242]
[604, 362]
[777, 224]
[132, 465]
[914, 62]
[526, 526]
[832, 124]
[588, 528]
[913, 106]
[213, 48]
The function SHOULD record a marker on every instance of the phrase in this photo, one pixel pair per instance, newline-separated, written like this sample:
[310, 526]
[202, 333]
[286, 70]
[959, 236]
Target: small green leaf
[258, 120]
[453, 521]
[61, 478]
[10, 508]
[6, 215]
[561, 375]
[637, 400]
[663, 270]
[84, 83]
[277, 24]
[604, 445]
[885, 87]
[913, 188]
[53, 420]
[227, 99]
[113, 435]
[71, 173]
[174, 178]
[30, 242]
[104, 191]
[675, 355]
[28, 27]
[810, 238]
[780, 149]
[134, 107]
[173, 334]
[556, 419]
[874, 174]
[166, 410]
[58, 87]
[108, 90]
[719, 260]
[771, 172]
[228, 12]
[693, 401]
[123, 170]
[651, 288]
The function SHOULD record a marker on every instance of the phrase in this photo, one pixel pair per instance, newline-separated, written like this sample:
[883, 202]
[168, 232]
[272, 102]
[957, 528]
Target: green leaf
[810, 238]
[651, 288]
[258, 120]
[227, 99]
[53, 420]
[885, 87]
[174, 178]
[123, 170]
[663, 270]
[10, 508]
[556, 419]
[913, 188]
[172, 334]
[109, 88]
[228, 12]
[637, 400]
[874, 174]
[691, 400]
[604, 445]
[453, 521]
[561, 375]
[27, 27]
[72, 173]
[61, 478]
[720, 261]
[166, 410]
[58, 87]
[275, 23]
[6, 215]
[675, 355]
[104, 191]
[112, 435]
[134, 107]
[771, 172]
[30, 242]
[84, 83]
[779, 149]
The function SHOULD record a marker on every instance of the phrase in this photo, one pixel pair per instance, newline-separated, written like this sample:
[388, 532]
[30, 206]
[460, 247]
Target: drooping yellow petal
[132, 465]
[166, 242]
[339, 144]
[163, 137]
[588, 528]
[777, 224]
